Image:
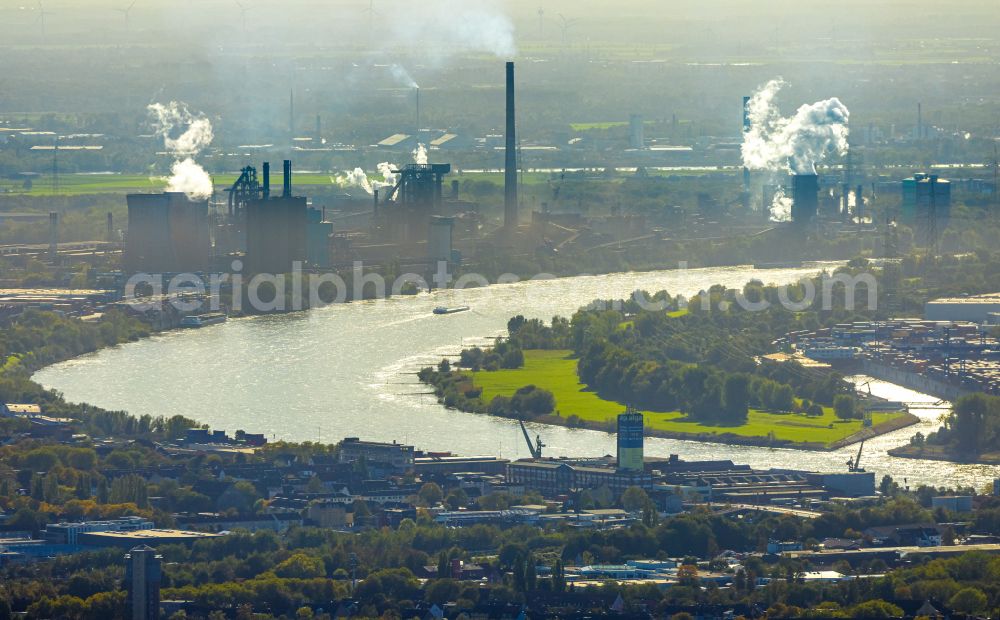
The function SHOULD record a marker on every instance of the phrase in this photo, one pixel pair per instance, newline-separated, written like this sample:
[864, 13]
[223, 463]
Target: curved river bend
[348, 370]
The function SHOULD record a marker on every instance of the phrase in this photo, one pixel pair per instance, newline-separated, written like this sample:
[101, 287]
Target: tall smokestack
[746, 171]
[286, 191]
[637, 135]
[111, 227]
[53, 236]
[510, 160]
[416, 96]
[267, 180]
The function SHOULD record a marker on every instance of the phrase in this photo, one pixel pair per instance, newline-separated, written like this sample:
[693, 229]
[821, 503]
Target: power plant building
[805, 197]
[439, 238]
[975, 308]
[406, 215]
[276, 230]
[167, 233]
[318, 234]
[922, 191]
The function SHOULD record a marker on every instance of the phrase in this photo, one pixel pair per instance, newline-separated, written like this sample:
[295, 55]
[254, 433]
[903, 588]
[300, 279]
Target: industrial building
[923, 192]
[145, 537]
[167, 233]
[276, 228]
[552, 477]
[69, 533]
[318, 233]
[805, 198]
[405, 215]
[399, 456]
[440, 245]
[975, 308]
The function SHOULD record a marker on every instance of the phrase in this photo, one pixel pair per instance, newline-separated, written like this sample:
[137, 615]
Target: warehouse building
[975, 308]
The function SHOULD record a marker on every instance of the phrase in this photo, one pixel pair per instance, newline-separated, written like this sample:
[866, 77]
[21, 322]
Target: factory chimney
[416, 95]
[286, 191]
[637, 137]
[510, 161]
[267, 180]
[53, 236]
[746, 170]
[111, 227]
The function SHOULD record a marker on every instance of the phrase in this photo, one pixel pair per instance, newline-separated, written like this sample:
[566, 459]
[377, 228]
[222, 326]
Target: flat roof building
[352, 449]
[975, 308]
[69, 533]
[149, 537]
[556, 477]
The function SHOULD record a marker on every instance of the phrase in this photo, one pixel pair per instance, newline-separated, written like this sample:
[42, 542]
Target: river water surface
[349, 370]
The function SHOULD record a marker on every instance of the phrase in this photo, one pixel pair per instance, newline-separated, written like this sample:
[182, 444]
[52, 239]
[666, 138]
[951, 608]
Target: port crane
[854, 465]
[536, 448]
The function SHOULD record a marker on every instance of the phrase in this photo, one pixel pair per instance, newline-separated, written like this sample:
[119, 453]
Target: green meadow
[556, 371]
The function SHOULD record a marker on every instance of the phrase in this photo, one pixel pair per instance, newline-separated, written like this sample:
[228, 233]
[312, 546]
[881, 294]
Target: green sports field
[109, 183]
[556, 371]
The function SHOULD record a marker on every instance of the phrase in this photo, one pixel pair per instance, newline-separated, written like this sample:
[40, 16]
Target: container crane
[854, 465]
[536, 448]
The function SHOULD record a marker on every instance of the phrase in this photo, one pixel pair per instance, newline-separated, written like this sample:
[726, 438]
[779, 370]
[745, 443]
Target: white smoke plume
[354, 178]
[441, 28]
[389, 178]
[401, 75]
[359, 178]
[185, 135]
[188, 177]
[420, 154]
[794, 144]
[781, 206]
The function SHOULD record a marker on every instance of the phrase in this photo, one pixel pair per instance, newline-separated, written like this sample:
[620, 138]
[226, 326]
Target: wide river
[348, 370]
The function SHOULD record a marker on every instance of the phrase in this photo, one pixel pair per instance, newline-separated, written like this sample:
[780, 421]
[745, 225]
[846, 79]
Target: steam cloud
[781, 206]
[401, 75]
[796, 144]
[359, 178]
[420, 154]
[185, 135]
[354, 178]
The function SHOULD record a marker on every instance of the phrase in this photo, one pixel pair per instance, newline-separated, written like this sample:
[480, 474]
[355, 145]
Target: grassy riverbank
[576, 405]
[944, 453]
